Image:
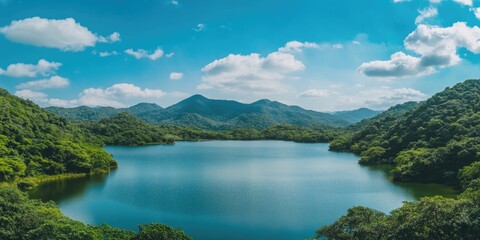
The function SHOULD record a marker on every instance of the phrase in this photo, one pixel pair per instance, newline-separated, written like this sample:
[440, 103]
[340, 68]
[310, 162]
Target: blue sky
[323, 55]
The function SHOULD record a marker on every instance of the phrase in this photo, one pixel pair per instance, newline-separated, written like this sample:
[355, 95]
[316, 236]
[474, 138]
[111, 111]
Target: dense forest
[435, 141]
[209, 114]
[25, 219]
[35, 142]
[128, 130]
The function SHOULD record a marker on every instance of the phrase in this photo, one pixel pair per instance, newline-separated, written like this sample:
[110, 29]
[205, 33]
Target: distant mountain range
[201, 112]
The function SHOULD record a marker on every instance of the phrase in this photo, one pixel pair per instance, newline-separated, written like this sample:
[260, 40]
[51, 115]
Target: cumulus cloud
[436, 46]
[252, 73]
[314, 93]
[425, 14]
[53, 82]
[114, 37]
[118, 95]
[399, 65]
[141, 53]
[381, 98]
[31, 95]
[464, 2]
[176, 76]
[65, 34]
[43, 68]
[296, 46]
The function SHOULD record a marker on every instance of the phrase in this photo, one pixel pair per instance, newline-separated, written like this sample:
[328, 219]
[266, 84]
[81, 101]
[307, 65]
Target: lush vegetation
[430, 218]
[34, 142]
[127, 130]
[430, 142]
[23, 219]
[435, 141]
[200, 112]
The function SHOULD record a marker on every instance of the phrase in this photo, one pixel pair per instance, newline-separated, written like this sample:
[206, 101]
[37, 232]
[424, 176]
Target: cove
[231, 189]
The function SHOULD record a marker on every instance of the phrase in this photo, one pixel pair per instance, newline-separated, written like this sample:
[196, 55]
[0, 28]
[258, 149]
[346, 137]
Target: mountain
[199, 111]
[357, 115]
[436, 141]
[35, 142]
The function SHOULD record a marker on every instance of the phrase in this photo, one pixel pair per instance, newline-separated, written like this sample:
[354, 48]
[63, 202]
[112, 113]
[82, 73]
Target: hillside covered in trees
[435, 141]
[128, 130]
[209, 114]
[35, 142]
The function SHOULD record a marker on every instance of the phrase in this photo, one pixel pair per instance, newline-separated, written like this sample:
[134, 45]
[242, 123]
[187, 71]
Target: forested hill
[204, 113]
[36, 142]
[128, 130]
[436, 141]
[430, 142]
[355, 116]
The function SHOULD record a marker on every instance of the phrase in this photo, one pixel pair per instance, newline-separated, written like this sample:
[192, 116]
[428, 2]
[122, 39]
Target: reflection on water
[67, 189]
[231, 189]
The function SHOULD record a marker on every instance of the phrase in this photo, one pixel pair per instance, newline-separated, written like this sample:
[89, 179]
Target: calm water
[231, 189]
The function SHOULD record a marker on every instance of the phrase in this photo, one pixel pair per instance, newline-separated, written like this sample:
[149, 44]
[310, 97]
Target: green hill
[430, 142]
[435, 141]
[355, 116]
[35, 142]
[204, 113]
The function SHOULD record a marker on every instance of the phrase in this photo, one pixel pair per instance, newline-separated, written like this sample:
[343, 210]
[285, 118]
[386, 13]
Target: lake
[231, 189]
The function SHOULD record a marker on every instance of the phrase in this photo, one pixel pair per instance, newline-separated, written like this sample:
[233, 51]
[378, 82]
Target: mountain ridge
[214, 114]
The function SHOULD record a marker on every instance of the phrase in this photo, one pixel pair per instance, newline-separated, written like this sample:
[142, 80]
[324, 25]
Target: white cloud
[425, 14]
[114, 37]
[252, 73]
[314, 93]
[296, 46]
[64, 34]
[43, 68]
[381, 98]
[174, 2]
[464, 2]
[399, 65]
[476, 11]
[31, 95]
[169, 55]
[400, 1]
[437, 47]
[176, 76]
[118, 95]
[53, 82]
[141, 53]
[200, 27]
[106, 54]
[337, 46]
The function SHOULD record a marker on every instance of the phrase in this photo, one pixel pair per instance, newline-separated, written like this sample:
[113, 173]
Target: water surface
[231, 189]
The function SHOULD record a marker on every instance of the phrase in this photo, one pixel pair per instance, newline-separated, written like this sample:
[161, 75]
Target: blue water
[231, 189]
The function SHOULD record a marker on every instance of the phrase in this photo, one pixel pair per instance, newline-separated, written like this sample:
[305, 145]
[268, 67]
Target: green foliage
[429, 142]
[127, 130]
[35, 142]
[160, 232]
[22, 218]
[373, 155]
[430, 218]
[436, 141]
